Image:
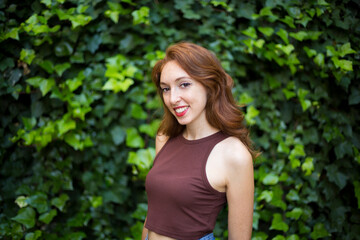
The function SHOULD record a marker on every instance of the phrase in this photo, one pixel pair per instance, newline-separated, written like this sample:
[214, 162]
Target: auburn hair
[222, 112]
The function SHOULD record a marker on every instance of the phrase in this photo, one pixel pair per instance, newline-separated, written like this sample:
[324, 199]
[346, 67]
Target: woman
[204, 156]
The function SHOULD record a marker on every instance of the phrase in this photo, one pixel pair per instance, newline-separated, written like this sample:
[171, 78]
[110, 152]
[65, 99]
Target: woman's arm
[144, 232]
[240, 191]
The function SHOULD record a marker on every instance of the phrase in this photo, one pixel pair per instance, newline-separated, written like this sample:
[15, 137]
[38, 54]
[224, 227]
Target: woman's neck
[197, 132]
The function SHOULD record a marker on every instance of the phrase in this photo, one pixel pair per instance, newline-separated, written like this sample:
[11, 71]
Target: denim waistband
[210, 236]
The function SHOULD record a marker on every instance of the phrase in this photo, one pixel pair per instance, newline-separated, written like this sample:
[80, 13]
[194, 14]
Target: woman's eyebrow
[176, 80]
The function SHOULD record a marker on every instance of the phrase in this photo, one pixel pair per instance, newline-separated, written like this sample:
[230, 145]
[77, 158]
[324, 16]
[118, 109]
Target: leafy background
[79, 112]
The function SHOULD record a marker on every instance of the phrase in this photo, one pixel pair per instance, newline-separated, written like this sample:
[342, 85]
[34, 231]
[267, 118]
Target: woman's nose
[174, 96]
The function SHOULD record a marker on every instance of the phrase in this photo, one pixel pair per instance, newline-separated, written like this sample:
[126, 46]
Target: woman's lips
[181, 111]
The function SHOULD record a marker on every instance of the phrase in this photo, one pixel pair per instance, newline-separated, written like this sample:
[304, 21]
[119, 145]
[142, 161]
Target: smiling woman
[184, 97]
[204, 155]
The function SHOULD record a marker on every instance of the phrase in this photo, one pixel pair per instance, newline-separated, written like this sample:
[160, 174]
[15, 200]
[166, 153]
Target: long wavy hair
[222, 112]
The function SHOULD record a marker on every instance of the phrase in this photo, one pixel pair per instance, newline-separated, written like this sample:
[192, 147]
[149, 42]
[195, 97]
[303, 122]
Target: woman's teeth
[180, 110]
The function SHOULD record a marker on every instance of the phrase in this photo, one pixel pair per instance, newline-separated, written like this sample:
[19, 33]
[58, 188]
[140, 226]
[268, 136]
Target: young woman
[204, 157]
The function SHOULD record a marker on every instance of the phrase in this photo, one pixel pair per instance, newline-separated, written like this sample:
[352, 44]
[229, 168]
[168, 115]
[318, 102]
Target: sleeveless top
[181, 202]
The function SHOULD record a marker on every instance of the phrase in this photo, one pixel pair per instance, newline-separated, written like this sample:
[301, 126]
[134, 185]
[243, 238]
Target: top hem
[175, 235]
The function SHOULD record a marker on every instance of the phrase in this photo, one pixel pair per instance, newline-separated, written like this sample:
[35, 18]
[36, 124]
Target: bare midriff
[155, 236]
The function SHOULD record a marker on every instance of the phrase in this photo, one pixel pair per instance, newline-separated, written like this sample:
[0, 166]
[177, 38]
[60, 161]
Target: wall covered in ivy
[79, 113]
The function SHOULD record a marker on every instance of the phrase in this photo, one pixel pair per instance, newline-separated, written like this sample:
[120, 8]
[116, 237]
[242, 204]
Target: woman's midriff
[155, 236]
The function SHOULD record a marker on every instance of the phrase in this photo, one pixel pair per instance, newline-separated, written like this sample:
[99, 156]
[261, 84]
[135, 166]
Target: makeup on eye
[165, 89]
[185, 84]
[181, 85]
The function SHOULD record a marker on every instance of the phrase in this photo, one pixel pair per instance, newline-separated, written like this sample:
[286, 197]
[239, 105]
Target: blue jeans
[207, 237]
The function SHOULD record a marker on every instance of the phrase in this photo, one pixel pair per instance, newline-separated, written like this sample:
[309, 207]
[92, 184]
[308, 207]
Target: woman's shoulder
[234, 152]
[160, 141]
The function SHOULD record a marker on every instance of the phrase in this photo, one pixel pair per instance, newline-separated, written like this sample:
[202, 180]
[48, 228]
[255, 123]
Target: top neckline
[200, 140]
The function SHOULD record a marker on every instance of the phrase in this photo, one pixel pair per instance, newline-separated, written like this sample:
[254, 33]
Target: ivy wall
[79, 112]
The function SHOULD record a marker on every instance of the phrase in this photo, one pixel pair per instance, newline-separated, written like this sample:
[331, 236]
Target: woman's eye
[184, 85]
[165, 89]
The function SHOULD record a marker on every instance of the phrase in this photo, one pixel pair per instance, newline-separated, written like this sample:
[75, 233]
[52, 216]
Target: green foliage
[79, 112]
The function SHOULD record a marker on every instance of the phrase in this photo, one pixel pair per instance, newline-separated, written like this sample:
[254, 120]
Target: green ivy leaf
[140, 211]
[117, 86]
[265, 195]
[289, 21]
[21, 201]
[46, 85]
[74, 140]
[357, 191]
[38, 201]
[79, 20]
[259, 236]
[283, 35]
[133, 139]
[137, 112]
[47, 66]
[300, 36]
[60, 202]
[245, 98]
[66, 124]
[6, 63]
[267, 31]
[283, 147]
[251, 113]
[33, 235]
[292, 195]
[293, 237]
[345, 65]
[29, 123]
[288, 93]
[46, 2]
[286, 49]
[278, 237]
[256, 218]
[76, 236]
[94, 43]
[354, 97]
[48, 217]
[310, 52]
[308, 166]
[259, 43]
[118, 135]
[141, 16]
[336, 176]
[295, 213]
[251, 32]
[27, 55]
[319, 231]
[266, 11]
[277, 199]
[61, 68]
[278, 224]
[319, 60]
[26, 216]
[346, 49]
[150, 129]
[63, 49]
[143, 159]
[343, 149]
[270, 179]
[96, 201]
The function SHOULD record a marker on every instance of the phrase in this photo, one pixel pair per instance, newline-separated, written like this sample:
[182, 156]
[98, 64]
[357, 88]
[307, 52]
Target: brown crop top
[181, 202]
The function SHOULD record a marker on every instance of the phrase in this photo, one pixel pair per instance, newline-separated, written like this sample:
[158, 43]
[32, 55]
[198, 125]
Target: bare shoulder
[160, 141]
[235, 153]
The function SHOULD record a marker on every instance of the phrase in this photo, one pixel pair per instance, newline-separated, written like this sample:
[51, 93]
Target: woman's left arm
[240, 194]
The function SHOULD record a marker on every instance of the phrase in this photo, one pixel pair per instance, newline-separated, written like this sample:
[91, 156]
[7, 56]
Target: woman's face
[184, 97]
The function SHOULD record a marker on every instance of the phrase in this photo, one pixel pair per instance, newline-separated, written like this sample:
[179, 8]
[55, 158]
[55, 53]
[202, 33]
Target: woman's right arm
[160, 141]
[144, 232]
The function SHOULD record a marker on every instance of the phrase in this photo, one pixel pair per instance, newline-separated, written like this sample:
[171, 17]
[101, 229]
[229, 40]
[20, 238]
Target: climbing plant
[79, 112]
